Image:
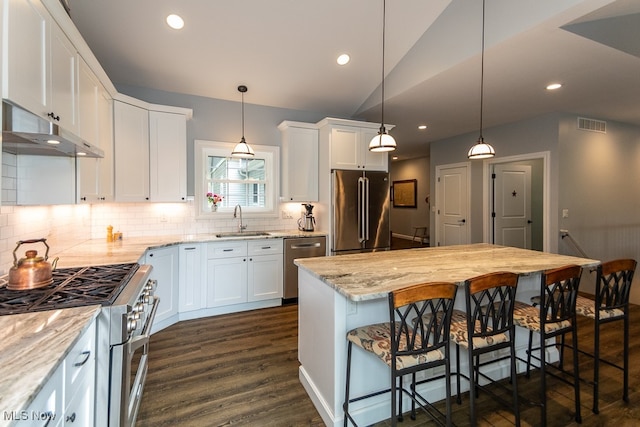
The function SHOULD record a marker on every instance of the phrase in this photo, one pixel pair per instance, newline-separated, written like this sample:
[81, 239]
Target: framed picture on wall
[405, 193]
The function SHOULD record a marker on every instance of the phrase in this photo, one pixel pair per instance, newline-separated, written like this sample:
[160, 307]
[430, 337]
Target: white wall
[600, 187]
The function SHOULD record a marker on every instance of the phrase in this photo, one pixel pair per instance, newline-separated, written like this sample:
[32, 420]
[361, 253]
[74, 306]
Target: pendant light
[382, 141]
[481, 150]
[242, 149]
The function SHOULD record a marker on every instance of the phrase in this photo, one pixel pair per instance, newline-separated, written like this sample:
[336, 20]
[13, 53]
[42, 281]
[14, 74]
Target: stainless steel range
[126, 294]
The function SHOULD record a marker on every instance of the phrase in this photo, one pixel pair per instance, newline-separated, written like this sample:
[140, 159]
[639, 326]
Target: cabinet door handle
[189, 249]
[86, 354]
[266, 247]
[227, 250]
[71, 417]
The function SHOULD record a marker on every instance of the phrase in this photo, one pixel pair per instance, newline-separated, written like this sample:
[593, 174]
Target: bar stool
[422, 233]
[409, 346]
[487, 326]
[555, 316]
[613, 283]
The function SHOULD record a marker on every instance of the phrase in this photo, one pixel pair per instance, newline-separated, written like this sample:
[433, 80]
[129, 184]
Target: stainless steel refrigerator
[360, 220]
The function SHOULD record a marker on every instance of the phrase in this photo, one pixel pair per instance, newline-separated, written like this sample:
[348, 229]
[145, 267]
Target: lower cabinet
[241, 271]
[165, 262]
[67, 398]
[264, 275]
[191, 289]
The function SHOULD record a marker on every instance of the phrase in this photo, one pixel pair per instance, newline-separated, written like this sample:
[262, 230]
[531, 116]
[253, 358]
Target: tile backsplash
[65, 226]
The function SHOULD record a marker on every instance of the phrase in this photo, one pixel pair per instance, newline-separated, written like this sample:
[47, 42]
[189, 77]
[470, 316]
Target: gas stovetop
[71, 287]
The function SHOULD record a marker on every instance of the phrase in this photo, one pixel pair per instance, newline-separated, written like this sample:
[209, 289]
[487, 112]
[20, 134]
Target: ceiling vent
[592, 125]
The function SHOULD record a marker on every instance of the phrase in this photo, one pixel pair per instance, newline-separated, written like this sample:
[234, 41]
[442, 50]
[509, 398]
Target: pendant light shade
[481, 150]
[382, 141]
[242, 149]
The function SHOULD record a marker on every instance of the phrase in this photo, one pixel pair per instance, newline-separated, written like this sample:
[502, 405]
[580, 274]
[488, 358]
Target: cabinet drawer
[265, 246]
[80, 362]
[226, 249]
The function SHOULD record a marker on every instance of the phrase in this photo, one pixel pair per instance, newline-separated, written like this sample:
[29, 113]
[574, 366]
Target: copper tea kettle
[33, 271]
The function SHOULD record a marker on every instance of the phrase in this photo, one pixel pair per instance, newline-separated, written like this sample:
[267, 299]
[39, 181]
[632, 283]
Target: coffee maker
[307, 222]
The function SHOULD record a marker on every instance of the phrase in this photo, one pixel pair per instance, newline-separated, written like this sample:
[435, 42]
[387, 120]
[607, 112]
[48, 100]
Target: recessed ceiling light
[422, 127]
[343, 59]
[81, 153]
[175, 22]
[554, 86]
[53, 141]
[394, 158]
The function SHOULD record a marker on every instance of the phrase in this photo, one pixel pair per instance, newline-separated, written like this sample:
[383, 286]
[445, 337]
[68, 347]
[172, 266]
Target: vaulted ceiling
[285, 51]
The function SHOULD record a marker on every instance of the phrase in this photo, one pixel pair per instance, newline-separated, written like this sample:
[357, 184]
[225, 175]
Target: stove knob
[151, 285]
[132, 324]
[146, 297]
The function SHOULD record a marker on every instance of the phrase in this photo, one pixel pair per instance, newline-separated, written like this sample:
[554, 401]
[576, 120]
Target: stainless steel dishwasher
[303, 247]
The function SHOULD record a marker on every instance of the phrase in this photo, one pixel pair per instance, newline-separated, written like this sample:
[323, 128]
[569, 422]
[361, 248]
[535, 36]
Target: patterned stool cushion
[527, 316]
[587, 307]
[458, 333]
[377, 340]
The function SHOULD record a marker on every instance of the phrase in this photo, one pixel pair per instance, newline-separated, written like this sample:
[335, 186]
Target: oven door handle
[143, 339]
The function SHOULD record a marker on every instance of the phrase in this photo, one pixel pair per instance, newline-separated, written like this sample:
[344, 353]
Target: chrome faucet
[241, 227]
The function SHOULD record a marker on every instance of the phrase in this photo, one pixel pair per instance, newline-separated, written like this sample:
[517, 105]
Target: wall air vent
[592, 125]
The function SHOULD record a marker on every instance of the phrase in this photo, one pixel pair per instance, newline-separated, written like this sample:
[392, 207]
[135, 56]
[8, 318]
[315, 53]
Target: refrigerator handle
[365, 213]
[361, 207]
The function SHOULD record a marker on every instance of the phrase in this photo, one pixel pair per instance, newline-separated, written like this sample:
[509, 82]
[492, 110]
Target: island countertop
[372, 275]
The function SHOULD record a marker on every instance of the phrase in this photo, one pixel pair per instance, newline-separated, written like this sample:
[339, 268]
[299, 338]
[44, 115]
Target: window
[250, 183]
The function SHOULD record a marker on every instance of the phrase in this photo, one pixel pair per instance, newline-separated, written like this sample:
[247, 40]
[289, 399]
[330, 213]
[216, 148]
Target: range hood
[25, 133]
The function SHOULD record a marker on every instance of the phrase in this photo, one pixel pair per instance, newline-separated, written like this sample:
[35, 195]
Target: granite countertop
[130, 249]
[372, 275]
[32, 346]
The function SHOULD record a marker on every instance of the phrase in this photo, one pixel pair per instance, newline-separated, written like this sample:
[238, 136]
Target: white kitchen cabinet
[79, 383]
[192, 289]
[150, 151]
[42, 72]
[244, 271]
[299, 162]
[167, 157]
[348, 145]
[226, 273]
[67, 398]
[131, 145]
[264, 276]
[47, 405]
[95, 175]
[165, 263]
[89, 88]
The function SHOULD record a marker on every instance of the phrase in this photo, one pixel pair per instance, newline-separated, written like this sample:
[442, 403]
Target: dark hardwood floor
[242, 369]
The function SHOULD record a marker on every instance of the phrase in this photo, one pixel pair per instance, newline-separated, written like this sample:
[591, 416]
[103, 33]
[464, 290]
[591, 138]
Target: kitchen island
[339, 293]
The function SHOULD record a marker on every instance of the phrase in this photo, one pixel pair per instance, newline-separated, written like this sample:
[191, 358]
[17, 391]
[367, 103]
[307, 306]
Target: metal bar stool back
[487, 326]
[415, 338]
[555, 316]
[613, 285]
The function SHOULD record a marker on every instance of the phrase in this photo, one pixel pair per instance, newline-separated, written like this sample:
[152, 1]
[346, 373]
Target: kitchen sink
[243, 234]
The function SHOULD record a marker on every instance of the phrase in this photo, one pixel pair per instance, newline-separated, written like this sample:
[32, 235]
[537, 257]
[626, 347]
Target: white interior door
[512, 211]
[452, 205]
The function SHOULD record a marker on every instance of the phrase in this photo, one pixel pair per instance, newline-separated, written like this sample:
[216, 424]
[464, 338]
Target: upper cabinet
[42, 64]
[167, 156]
[150, 143]
[299, 162]
[95, 175]
[131, 144]
[348, 144]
